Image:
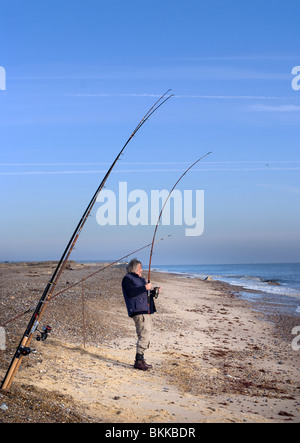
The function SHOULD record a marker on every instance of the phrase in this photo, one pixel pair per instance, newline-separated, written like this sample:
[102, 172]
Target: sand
[215, 357]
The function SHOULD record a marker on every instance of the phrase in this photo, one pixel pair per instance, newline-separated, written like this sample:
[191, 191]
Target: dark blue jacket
[136, 295]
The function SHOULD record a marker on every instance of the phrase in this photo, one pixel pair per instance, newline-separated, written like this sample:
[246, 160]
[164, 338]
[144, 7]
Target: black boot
[148, 366]
[140, 363]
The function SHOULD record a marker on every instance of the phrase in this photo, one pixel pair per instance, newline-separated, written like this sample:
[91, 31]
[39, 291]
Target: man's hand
[148, 286]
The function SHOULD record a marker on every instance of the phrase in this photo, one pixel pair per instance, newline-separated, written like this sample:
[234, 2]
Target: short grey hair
[132, 265]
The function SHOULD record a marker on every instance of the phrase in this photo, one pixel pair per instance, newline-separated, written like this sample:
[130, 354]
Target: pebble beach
[215, 356]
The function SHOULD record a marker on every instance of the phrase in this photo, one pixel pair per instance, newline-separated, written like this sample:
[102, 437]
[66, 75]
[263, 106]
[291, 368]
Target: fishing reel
[23, 350]
[154, 292]
[44, 333]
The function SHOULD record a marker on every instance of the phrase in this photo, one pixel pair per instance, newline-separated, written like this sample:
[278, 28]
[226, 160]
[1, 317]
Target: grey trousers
[143, 326]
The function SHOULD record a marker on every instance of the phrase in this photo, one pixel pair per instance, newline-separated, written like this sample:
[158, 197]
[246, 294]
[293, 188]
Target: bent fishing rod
[162, 210]
[23, 348]
[11, 320]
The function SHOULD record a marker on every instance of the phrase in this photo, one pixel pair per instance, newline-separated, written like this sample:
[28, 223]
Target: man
[140, 305]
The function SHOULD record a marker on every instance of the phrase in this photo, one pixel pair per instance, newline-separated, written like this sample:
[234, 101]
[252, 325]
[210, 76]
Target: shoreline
[215, 358]
[265, 301]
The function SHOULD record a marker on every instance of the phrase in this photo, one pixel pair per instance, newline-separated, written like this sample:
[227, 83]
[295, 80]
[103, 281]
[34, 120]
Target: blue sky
[80, 75]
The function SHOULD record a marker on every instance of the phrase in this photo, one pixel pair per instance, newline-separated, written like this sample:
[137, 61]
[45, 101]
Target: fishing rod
[11, 320]
[105, 267]
[155, 230]
[23, 348]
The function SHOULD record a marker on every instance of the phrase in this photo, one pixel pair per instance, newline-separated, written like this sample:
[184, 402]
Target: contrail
[169, 170]
[193, 96]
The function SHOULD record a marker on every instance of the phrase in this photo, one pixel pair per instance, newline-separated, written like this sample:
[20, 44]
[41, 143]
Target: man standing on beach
[140, 305]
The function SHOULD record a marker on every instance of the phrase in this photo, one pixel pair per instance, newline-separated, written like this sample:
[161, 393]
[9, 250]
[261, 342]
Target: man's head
[135, 266]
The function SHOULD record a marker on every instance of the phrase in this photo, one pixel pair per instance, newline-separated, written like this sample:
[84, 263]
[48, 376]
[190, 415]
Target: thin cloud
[238, 58]
[153, 170]
[227, 162]
[279, 108]
[105, 94]
[289, 189]
[157, 167]
[181, 96]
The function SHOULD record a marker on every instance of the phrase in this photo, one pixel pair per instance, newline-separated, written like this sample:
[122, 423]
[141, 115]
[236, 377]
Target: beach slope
[215, 358]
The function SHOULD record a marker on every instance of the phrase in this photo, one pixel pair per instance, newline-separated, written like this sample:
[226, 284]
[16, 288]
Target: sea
[273, 285]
